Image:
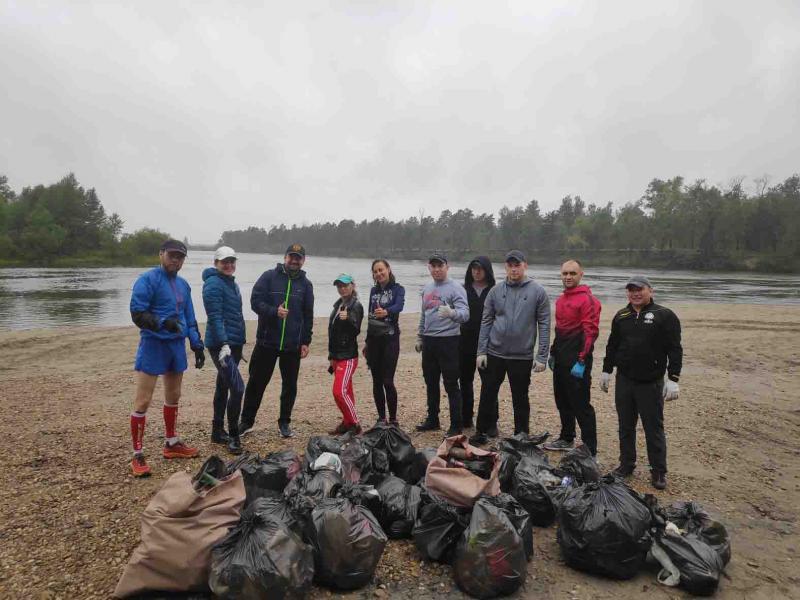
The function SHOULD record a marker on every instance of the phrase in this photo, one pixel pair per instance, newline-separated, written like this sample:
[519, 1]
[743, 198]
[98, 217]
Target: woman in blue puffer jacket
[225, 337]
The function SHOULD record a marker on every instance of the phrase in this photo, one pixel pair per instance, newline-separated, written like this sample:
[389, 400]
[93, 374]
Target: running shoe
[139, 466]
[179, 450]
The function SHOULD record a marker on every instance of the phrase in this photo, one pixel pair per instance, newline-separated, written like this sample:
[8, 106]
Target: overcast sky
[196, 117]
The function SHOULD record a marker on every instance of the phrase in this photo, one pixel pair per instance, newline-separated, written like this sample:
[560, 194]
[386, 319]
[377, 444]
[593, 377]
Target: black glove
[172, 325]
[199, 358]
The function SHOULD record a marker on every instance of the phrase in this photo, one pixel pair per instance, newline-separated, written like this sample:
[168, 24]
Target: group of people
[499, 328]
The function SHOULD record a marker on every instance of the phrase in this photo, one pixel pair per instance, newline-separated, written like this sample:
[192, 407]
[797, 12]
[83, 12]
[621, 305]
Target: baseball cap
[224, 252]
[638, 281]
[296, 249]
[174, 246]
[516, 255]
[438, 255]
[343, 278]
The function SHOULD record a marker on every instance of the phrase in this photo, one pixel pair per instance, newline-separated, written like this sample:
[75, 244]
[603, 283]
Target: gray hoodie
[436, 294]
[512, 315]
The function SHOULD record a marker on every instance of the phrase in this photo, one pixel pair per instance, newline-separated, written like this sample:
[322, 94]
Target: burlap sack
[456, 485]
[179, 527]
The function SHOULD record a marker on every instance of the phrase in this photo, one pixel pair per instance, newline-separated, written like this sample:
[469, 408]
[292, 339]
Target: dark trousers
[382, 354]
[573, 400]
[468, 353]
[519, 378]
[223, 400]
[636, 399]
[262, 365]
[440, 359]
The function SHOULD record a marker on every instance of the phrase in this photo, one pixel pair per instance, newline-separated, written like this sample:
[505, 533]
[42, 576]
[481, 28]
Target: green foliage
[64, 223]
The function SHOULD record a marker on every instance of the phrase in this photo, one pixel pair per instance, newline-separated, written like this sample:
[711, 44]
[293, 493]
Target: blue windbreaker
[269, 292]
[223, 303]
[166, 296]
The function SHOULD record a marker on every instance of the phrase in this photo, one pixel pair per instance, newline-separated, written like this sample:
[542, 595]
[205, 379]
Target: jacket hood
[487, 266]
[578, 289]
[209, 272]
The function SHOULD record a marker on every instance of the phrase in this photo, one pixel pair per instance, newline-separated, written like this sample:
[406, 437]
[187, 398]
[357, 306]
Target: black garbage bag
[414, 472]
[394, 441]
[521, 444]
[698, 565]
[438, 527]
[244, 458]
[317, 444]
[270, 475]
[307, 490]
[399, 506]
[480, 465]
[508, 464]
[531, 493]
[580, 464]
[518, 516]
[692, 518]
[276, 507]
[559, 492]
[211, 471]
[490, 559]
[356, 460]
[603, 528]
[348, 543]
[260, 558]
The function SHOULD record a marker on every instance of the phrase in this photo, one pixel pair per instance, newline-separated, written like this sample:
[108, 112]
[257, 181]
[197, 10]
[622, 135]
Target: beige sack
[457, 485]
[179, 527]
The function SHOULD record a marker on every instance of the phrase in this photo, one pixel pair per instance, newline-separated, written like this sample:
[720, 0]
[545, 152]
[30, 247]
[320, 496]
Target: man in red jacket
[577, 326]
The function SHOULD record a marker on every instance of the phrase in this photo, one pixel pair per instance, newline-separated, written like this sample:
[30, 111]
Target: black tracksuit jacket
[640, 344]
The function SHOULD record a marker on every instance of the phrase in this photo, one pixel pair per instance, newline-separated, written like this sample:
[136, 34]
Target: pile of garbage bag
[268, 527]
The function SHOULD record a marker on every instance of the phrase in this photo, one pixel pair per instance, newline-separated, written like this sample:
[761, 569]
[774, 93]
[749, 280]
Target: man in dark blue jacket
[283, 299]
[161, 306]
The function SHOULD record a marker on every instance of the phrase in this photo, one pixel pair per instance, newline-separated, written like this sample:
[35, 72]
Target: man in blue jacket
[283, 299]
[161, 306]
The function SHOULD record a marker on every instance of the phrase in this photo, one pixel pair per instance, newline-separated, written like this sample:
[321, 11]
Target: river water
[43, 298]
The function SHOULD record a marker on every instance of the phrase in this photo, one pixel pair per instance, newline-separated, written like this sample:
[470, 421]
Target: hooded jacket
[512, 316]
[269, 292]
[343, 334]
[472, 328]
[577, 325]
[158, 296]
[223, 303]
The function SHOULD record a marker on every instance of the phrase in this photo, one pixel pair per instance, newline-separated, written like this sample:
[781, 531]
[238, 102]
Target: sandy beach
[69, 508]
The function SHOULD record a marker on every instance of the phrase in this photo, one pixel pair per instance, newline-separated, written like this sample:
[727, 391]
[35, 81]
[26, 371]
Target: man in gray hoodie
[443, 308]
[515, 311]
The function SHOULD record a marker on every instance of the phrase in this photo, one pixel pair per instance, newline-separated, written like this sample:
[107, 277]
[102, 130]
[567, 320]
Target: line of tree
[673, 224]
[64, 223]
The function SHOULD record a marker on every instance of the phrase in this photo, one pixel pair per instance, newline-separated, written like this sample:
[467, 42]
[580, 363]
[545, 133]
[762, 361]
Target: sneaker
[623, 471]
[659, 480]
[245, 428]
[139, 467]
[285, 430]
[394, 423]
[340, 429]
[179, 450]
[218, 435]
[479, 439]
[428, 425]
[235, 445]
[492, 431]
[380, 422]
[559, 445]
[355, 429]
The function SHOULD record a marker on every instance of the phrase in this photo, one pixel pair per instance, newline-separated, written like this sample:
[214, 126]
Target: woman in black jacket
[477, 282]
[344, 326]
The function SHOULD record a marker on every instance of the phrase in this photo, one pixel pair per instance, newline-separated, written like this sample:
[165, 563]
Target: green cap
[343, 278]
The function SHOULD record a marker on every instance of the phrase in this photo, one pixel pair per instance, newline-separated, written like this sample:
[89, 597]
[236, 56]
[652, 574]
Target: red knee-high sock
[170, 416]
[137, 430]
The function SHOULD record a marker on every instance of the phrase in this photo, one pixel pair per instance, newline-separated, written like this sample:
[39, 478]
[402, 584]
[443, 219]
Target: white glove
[481, 361]
[605, 379]
[418, 344]
[224, 353]
[539, 367]
[446, 312]
[671, 390]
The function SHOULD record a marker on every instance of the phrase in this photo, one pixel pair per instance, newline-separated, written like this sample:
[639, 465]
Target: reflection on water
[38, 298]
